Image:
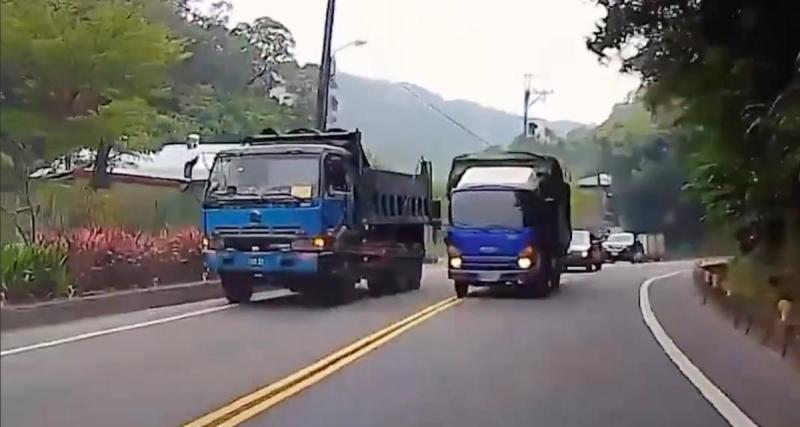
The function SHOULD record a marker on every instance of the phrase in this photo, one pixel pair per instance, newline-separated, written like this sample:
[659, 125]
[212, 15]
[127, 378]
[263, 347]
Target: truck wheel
[415, 275]
[332, 290]
[382, 283]
[462, 289]
[555, 276]
[538, 289]
[555, 282]
[238, 287]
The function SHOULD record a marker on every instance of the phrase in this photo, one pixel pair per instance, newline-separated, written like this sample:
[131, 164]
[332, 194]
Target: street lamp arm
[354, 43]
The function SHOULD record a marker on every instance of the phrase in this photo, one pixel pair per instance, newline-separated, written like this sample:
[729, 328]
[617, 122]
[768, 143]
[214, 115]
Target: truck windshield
[487, 208]
[264, 176]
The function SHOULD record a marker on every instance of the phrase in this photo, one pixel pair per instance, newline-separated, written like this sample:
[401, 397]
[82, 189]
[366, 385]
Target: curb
[52, 312]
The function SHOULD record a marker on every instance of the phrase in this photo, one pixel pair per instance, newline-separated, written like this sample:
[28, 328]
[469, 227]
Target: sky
[477, 50]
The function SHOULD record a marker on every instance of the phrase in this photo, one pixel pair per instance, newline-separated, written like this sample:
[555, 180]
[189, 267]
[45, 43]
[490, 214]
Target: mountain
[399, 126]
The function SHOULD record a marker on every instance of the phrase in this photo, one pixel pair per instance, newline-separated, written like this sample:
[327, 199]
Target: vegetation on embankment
[114, 77]
[724, 78]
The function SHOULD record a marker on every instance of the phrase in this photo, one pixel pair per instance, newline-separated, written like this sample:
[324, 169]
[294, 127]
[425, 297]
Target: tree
[269, 44]
[728, 73]
[224, 86]
[83, 72]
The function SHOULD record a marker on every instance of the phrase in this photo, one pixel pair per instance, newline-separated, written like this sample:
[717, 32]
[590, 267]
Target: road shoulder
[763, 385]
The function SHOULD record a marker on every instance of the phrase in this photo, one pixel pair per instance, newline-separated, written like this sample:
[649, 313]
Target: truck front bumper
[495, 277]
[268, 263]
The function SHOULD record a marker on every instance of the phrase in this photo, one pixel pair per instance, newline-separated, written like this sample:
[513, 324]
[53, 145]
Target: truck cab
[275, 209]
[306, 211]
[506, 225]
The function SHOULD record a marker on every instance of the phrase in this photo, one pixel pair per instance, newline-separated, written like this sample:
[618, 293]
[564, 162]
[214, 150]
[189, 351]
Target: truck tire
[401, 276]
[238, 288]
[538, 289]
[555, 276]
[332, 290]
[381, 283]
[415, 274]
[462, 289]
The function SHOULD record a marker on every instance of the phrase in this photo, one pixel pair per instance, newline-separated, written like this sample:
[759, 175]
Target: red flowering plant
[107, 258]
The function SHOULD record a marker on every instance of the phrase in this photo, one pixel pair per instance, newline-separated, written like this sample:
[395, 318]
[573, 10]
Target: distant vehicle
[585, 250]
[653, 245]
[509, 221]
[306, 211]
[624, 247]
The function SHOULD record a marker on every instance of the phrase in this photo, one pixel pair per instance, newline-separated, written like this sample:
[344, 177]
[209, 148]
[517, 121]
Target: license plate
[488, 277]
[256, 261]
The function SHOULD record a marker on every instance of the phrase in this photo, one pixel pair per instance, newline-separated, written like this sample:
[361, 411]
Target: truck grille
[262, 238]
[489, 263]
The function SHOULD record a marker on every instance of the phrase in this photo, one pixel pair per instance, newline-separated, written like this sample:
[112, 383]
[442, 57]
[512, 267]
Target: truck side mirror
[189, 167]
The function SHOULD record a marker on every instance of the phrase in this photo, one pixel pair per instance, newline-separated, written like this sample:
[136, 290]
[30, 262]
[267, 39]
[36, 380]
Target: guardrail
[777, 319]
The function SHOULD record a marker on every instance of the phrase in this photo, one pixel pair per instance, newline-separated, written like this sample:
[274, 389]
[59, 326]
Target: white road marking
[735, 416]
[110, 331]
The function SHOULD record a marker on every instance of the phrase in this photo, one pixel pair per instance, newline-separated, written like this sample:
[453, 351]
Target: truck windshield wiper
[496, 226]
[500, 226]
[233, 195]
[280, 194]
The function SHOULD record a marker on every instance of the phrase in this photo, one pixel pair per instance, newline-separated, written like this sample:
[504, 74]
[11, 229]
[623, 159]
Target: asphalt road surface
[582, 357]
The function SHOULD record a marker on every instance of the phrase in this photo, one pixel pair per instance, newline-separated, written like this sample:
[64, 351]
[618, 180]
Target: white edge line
[110, 331]
[735, 416]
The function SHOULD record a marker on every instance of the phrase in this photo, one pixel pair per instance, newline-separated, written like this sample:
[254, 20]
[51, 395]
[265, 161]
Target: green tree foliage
[78, 72]
[648, 177]
[223, 87]
[122, 76]
[727, 72]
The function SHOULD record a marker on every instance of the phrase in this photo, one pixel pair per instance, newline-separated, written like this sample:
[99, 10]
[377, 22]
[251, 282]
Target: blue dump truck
[304, 210]
[509, 221]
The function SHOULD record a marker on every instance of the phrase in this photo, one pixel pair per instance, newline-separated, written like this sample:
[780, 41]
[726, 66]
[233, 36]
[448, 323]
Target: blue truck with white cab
[509, 218]
[305, 210]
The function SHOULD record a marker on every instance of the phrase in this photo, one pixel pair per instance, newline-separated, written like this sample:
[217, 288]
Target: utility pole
[323, 86]
[528, 102]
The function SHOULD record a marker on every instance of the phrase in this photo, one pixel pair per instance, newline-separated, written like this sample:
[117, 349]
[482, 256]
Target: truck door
[338, 200]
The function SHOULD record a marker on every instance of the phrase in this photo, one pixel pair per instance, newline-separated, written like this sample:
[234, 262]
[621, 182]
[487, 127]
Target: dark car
[585, 251]
[624, 247]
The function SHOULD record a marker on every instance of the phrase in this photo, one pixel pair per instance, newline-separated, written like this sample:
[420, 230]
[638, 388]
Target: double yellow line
[246, 407]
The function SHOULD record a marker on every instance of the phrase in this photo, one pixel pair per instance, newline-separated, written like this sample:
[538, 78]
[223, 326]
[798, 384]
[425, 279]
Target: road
[583, 357]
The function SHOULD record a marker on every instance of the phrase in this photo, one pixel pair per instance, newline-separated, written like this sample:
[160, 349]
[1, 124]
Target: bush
[104, 258]
[34, 271]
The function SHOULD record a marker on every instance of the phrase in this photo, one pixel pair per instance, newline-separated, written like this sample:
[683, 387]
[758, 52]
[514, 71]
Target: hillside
[399, 128]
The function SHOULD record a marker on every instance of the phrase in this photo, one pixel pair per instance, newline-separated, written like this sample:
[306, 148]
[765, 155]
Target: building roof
[166, 164]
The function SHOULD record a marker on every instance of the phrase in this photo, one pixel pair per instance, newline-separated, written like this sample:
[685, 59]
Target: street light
[354, 43]
[332, 107]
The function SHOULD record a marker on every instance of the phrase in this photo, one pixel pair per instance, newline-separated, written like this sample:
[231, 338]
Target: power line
[455, 122]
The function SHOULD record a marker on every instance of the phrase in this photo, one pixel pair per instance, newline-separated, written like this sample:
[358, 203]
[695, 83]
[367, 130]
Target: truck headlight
[316, 243]
[456, 262]
[214, 243]
[524, 262]
[584, 254]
